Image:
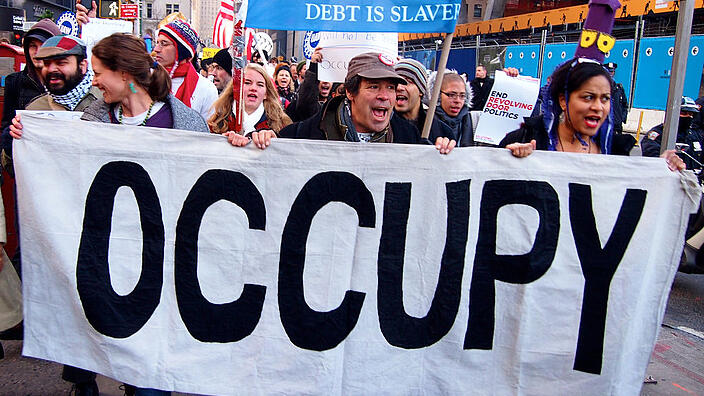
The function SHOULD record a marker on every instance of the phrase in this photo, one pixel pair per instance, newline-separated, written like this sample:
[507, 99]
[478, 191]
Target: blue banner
[410, 16]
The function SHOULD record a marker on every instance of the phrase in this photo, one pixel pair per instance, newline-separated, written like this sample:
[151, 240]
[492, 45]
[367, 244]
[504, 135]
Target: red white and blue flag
[224, 24]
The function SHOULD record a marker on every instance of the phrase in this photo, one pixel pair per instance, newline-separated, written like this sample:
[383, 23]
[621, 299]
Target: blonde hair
[275, 115]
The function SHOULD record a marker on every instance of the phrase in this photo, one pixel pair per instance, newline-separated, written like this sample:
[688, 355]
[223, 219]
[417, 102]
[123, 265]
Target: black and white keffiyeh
[71, 99]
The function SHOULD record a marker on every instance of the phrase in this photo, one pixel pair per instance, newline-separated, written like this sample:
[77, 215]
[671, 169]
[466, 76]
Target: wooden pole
[438, 84]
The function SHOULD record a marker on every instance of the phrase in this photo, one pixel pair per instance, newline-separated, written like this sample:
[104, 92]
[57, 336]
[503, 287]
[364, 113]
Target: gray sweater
[184, 117]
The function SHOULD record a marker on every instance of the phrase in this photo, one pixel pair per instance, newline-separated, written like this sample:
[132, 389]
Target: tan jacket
[46, 102]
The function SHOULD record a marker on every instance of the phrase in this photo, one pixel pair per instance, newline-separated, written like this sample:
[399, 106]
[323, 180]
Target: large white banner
[172, 260]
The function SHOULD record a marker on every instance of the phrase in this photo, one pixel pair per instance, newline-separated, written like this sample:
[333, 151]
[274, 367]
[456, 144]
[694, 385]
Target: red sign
[129, 11]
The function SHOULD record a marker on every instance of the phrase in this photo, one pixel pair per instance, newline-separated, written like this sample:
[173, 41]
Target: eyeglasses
[453, 95]
[163, 43]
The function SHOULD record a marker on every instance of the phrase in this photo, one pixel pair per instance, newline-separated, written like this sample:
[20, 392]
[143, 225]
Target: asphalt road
[677, 362]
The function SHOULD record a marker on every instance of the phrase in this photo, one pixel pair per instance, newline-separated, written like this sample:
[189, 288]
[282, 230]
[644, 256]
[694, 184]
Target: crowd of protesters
[382, 99]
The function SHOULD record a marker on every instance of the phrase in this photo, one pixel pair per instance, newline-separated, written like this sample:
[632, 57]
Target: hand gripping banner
[185, 264]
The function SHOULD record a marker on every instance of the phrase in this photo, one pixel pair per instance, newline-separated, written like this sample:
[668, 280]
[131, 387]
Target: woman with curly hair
[263, 116]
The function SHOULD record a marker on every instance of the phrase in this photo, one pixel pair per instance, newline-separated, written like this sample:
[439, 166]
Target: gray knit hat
[414, 70]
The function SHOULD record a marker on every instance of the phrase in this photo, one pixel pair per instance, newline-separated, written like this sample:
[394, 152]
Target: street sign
[129, 11]
[109, 9]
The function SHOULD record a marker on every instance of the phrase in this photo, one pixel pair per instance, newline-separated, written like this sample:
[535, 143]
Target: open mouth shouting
[401, 99]
[592, 121]
[380, 114]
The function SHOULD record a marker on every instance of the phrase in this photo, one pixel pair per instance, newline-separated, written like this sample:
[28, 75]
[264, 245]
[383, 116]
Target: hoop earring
[132, 88]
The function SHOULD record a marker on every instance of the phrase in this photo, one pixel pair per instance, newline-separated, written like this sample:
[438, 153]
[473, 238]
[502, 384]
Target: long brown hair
[275, 115]
[127, 53]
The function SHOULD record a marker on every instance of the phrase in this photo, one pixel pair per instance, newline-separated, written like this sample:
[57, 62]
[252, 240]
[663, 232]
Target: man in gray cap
[66, 76]
[68, 82]
[365, 113]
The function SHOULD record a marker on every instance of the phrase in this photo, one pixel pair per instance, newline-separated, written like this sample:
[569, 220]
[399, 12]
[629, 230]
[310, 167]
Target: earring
[132, 88]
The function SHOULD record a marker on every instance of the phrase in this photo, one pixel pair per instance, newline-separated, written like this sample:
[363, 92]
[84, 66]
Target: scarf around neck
[249, 121]
[190, 80]
[72, 98]
[453, 122]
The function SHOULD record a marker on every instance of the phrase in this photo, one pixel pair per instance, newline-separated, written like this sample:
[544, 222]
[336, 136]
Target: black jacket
[20, 89]
[620, 107]
[325, 126]
[307, 102]
[533, 128]
[693, 136]
[481, 88]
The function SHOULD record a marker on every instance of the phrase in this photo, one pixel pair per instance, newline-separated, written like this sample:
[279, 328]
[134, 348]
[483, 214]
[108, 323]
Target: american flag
[224, 24]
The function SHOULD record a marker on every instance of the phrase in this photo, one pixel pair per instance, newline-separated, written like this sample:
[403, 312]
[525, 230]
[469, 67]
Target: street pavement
[677, 362]
[676, 365]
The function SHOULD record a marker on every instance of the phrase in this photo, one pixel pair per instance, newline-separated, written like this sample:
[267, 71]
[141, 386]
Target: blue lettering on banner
[412, 16]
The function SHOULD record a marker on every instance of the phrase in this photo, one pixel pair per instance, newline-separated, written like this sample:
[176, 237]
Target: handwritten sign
[340, 47]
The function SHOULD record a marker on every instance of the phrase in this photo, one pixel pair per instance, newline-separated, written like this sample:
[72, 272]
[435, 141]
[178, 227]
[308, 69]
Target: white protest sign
[510, 99]
[340, 47]
[185, 264]
[99, 28]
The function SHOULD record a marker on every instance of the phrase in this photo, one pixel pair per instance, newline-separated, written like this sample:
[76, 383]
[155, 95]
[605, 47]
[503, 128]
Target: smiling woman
[136, 89]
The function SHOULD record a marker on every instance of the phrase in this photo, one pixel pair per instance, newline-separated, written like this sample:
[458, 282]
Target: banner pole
[438, 83]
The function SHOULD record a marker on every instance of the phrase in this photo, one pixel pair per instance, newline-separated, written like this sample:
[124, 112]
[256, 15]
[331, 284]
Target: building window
[149, 10]
[170, 8]
[477, 10]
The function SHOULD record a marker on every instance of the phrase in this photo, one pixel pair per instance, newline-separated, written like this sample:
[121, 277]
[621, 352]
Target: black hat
[224, 60]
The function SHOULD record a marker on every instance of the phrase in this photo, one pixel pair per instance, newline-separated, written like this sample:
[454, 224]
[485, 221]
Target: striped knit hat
[183, 36]
[414, 70]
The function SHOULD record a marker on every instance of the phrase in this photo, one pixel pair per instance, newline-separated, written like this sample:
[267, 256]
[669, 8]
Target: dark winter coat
[325, 126]
[481, 88]
[693, 136]
[307, 103]
[619, 103]
[534, 129]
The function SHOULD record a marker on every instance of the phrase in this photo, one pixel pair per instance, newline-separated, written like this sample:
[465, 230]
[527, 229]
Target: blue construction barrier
[623, 55]
[463, 60]
[655, 69]
[525, 58]
[555, 55]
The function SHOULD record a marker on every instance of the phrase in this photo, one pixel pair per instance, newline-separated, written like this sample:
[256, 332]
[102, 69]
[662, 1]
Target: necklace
[144, 122]
[583, 148]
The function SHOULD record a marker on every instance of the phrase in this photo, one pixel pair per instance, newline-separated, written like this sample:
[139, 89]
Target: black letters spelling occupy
[598, 266]
[305, 327]
[109, 313]
[204, 320]
[518, 269]
[399, 328]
